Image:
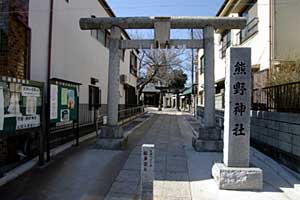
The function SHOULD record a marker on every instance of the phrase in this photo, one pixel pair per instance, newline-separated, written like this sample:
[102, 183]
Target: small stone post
[235, 172]
[147, 171]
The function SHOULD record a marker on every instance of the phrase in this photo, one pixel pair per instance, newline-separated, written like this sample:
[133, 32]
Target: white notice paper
[30, 91]
[53, 101]
[30, 105]
[1, 109]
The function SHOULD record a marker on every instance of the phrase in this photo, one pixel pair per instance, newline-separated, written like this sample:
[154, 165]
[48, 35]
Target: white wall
[286, 30]
[76, 55]
[39, 24]
[260, 43]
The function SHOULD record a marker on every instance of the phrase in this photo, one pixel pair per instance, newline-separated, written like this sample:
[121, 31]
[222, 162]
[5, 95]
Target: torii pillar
[111, 136]
[209, 138]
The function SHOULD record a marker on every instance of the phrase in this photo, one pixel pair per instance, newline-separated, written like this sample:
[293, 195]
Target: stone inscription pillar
[237, 108]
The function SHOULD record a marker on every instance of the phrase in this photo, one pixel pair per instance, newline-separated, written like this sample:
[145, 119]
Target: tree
[178, 83]
[158, 65]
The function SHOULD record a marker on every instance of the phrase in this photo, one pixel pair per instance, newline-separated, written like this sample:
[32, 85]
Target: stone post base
[208, 140]
[111, 138]
[236, 178]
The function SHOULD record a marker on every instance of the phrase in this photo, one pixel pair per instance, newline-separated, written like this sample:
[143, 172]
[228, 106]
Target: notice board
[21, 104]
[63, 102]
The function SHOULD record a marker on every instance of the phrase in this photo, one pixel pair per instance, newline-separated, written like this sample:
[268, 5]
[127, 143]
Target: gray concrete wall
[279, 130]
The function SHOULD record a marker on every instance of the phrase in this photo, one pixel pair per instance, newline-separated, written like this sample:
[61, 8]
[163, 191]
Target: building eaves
[222, 7]
[111, 13]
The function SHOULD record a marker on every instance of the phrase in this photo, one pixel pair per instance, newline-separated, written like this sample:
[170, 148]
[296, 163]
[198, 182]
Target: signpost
[147, 171]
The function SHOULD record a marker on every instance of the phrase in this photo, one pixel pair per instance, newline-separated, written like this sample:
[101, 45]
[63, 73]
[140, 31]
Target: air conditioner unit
[123, 79]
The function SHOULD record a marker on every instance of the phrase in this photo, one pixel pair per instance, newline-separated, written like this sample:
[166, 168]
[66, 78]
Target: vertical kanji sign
[237, 107]
[147, 171]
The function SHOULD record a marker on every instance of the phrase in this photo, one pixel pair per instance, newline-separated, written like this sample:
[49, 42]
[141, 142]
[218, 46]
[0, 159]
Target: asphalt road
[80, 173]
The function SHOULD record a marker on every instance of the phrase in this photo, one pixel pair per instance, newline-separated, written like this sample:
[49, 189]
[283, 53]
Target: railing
[129, 112]
[279, 98]
[250, 29]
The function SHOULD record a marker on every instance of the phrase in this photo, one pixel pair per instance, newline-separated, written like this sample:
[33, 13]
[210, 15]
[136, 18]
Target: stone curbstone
[294, 128]
[285, 146]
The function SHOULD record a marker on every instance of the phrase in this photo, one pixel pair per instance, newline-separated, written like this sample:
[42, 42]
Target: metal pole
[209, 77]
[114, 76]
[77, 116]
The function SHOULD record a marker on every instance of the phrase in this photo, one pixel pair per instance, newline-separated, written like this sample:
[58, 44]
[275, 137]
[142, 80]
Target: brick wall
[15, 37]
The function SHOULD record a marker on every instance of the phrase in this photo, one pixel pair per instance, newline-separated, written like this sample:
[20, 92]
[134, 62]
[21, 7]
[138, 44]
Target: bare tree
[158, 65]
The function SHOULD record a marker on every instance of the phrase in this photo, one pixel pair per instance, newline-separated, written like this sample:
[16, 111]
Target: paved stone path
[171, 170]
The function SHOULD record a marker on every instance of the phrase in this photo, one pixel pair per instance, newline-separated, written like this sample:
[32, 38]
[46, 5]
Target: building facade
[77, 55]
[270, 33]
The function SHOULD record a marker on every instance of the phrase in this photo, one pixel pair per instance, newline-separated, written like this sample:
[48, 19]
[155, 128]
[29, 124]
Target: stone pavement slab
[171, 170]
[181, 173]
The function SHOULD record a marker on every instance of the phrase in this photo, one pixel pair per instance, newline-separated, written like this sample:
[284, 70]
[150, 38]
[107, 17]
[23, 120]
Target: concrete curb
[195, 133]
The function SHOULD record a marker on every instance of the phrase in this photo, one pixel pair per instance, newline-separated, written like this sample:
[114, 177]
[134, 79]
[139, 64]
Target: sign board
[20, 105]
[63, 102]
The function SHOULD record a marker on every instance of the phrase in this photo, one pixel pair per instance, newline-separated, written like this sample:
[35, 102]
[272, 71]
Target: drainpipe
[270, 37]
[48, 78]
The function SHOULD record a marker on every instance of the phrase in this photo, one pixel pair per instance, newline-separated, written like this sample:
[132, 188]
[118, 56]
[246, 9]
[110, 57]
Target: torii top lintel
[175, 22]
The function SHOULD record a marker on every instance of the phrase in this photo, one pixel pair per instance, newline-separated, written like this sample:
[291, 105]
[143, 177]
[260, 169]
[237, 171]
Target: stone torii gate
[235, 173]
[111, 135]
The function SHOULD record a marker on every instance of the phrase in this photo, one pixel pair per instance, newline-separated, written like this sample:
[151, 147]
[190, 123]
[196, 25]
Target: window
[94, 97]
[250, 12]
[107, 36]
[123, 52]
[93, 32]
[133, 64]
[226, 42]
[123, 55]
[100, 35]
[202, 64]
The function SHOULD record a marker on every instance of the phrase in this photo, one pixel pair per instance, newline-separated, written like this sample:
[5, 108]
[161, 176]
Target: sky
[132, 8]
[165, 8]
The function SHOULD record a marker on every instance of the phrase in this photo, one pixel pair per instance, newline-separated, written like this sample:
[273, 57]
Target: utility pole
[192, 96]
